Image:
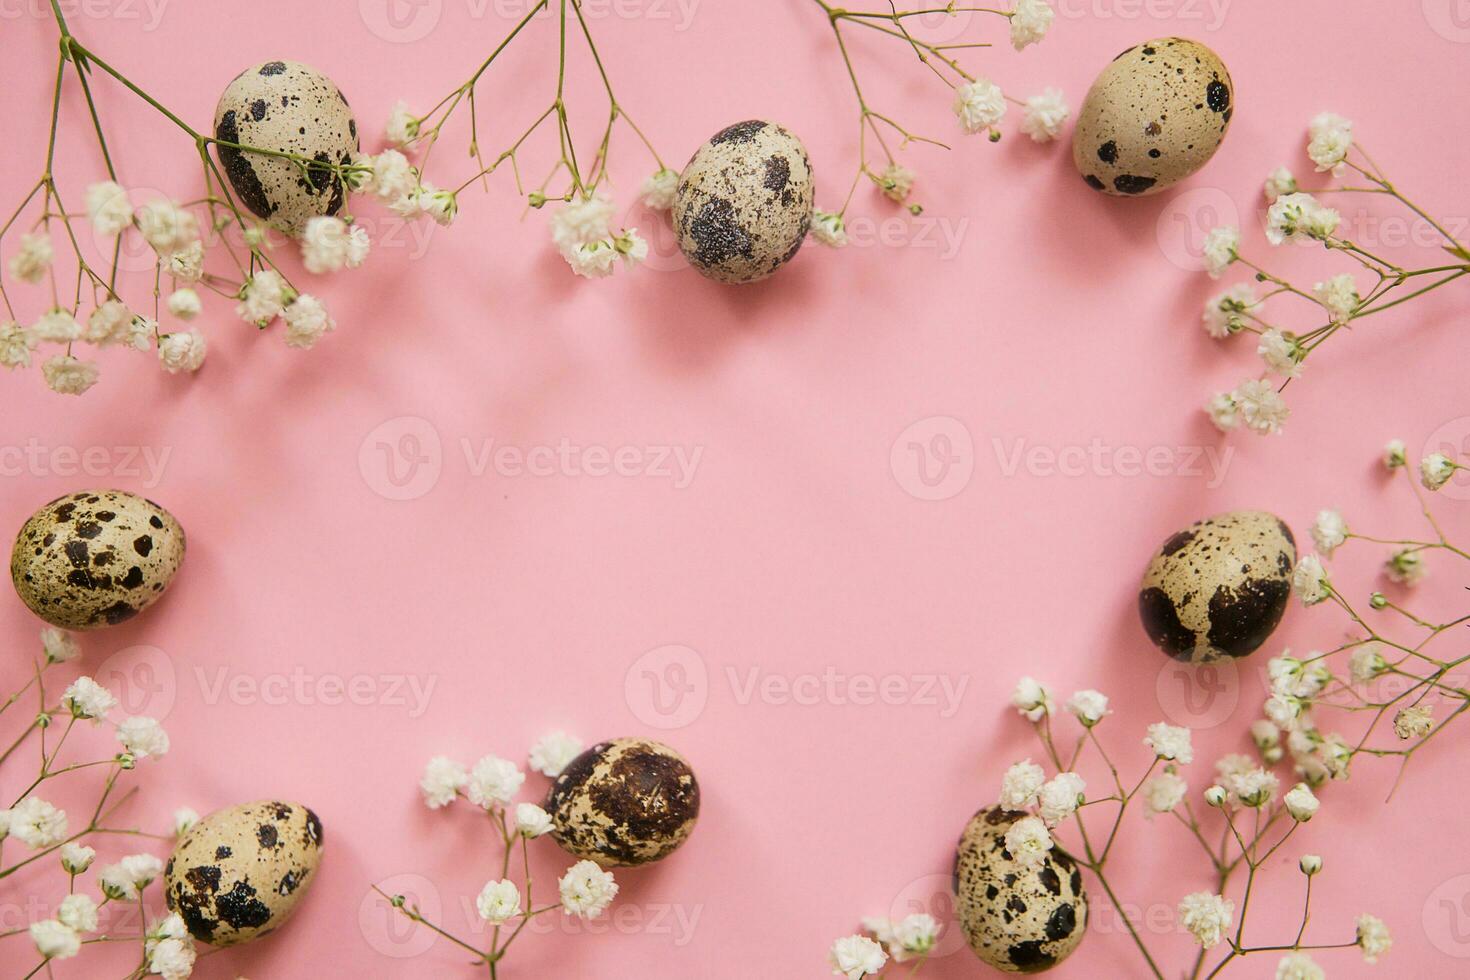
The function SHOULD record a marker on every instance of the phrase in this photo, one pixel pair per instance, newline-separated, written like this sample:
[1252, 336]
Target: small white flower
[16, 344]
[263, 298]
[78, 912]
[76, 858]
[142, 737]
[182, 351]
[660, 190]
[170, 926]
[1330, 137]
[391, 177]
[1206, 916]
[581, 221]
[979, 105]
[1339, 297]
[56, 327]
[1216, 796]
[108, 208]
[631, 247]
[54, 940]
[307, 320]
[1045, 115]
[1299, 966]
[172, 957]
[184, 819]
[1089, 707]
[1373, 937]
[829, 229]
[1224, 411]
[855, 957]
[532, 821]
[1031, 699]
[586, 890]
[1221, 249]
[553, 752]
[442, 780]
[1336, 755]
[1415, 721]
[499, 902]
[493, 781]
[896, 182]
[1284, 711]
[1393, 454]
[1284, 672]
[593, 260]
[1021, 783]
[1261, 406]
[1164, 792]
[1310, 864]
[1030, 20]
[1061, 797]
[1406, 567]
[1366, 663]
[1282, 353]
[1300, 214]
[913, 935]
[33, 258]
[167, 227]
[1435, 470]
[1028, 841]
[1280, 183]
[123, 881]
[1301, 803]
[440, 205]
[328, 245]
[402, 126]
[1265, 734]
[1254, 788]
[1329, 531]
[37, 824]
[187, 264]
[1170, 742]
[184, 303]
[85, 698]
[58, 645]
[66, 375]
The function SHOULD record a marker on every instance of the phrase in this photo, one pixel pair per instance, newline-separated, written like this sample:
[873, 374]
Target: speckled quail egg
[1154, 116]
[744, 202]
[624, 802]
[289, 108]
[95, 558]
[1017, 917]
[1219, 587]
[239, 873]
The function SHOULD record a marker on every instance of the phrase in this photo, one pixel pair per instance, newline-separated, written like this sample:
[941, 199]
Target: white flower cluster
[582, 231]
[910, 938]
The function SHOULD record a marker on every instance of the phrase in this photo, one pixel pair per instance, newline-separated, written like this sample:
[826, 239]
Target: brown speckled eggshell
[624, 802]
[95, 558]
[239, 873]
[1219, 587]
[744, 202]
[1019, 918]
[289, 108]
[1156, 115]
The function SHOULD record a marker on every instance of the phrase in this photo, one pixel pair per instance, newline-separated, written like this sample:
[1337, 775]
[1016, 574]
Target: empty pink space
[809, 532]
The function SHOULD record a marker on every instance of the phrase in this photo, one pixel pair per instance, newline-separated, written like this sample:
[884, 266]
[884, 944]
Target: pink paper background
[532, 602]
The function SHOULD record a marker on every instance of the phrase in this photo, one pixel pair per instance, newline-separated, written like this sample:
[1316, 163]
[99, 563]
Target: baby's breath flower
[1089, 707]
[1284, 710]
[33, 258]
[979, 105]
[1206, 916]
[16, 344]
[1310, 864]
[1339, 297]
[1329, 531]
[1216, 796]
[1435, 470]
[442, 780]
[1223, 314]
[402, 126]
[1030, 20]
[1020, 785]
[1224, 411]
[1329, 137]
[1406, 567]
[1282, 352]
[182, 351]
[829, 229]
[631, 247]
[54, 940]
[58, 645]
[855, 957]
[1393, 454]
[184, 303]
[168, 227]
[913, 935]
[1221, 249]
[1279, 184]
[184, 819]
[76, 858]
[586, 890]
[1045, 115]
[1310, 581]
[108, 208]
[1365, 663]
[142, 737]
[263, 298]
[1373, 937]
[896, 182]
[307, 320]
[66, 375]
[1164, 792]
[553, 752]
[85, 698]
[1170, 742]
[493, 781]
[187, 264]
[499, 901]
[1261, 406]
[1301, 803]
[1299, 966]
[79, 912]
[1028, 841]
[56, 327]
[1031, 699]
[1300, 214]
[1265, 734]
[580, 221]
[1415, 721]
[328, 245]
[390, 176]
[1061, 797]
[660, 190]
[532, 821]
[37, 824]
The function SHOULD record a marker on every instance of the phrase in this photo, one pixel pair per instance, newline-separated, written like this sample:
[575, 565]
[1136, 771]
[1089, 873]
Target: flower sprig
[46, 831]
[490, 785]
[1297, 216]
[979, 104]
[582, 227]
